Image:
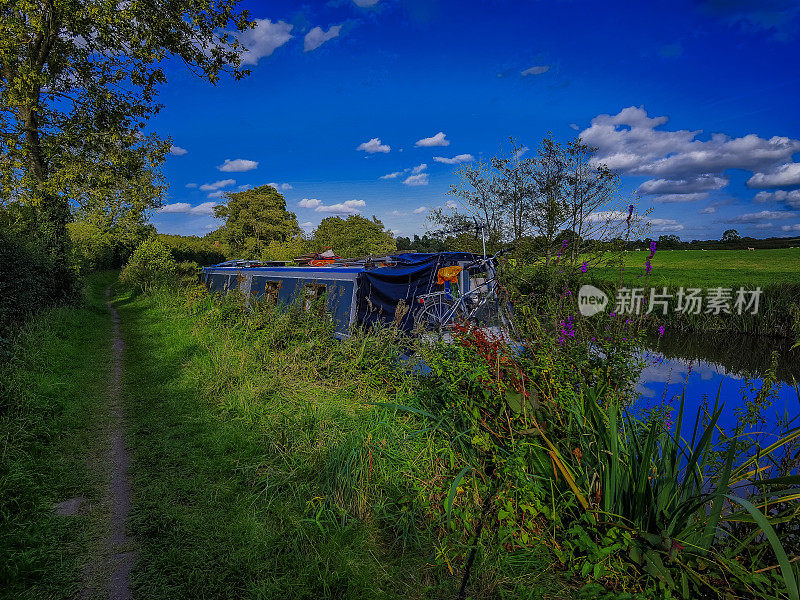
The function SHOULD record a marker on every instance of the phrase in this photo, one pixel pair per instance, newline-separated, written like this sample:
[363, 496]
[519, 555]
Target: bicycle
[442, 309]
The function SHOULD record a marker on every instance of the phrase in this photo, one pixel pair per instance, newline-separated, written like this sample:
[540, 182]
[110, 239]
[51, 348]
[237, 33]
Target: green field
[703, 269]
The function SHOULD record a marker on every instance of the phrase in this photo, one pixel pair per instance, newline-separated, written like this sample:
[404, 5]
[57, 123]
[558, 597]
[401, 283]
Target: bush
[187, 273]
[151, 265]
[26, 280]
[202, 251]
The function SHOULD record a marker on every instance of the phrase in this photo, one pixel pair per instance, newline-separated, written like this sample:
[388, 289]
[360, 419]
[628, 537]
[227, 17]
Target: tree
[354, 237]
[254, 218]
[78, 81]
[590, 186]
[549, 209]
[669, 242]
[534, 198]
[730, 235]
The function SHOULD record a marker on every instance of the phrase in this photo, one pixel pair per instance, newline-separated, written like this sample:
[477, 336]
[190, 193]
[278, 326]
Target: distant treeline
[673, 242]
[530, 244]
[202, 250]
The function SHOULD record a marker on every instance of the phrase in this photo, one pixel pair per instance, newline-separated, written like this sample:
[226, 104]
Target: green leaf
[453, 489]
[777, 547]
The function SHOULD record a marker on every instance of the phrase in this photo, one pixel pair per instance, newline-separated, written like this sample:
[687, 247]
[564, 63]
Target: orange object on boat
[448, 274]
[321, 263]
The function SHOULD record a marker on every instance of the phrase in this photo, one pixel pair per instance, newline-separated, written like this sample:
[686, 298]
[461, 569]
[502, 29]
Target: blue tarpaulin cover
[380, 290]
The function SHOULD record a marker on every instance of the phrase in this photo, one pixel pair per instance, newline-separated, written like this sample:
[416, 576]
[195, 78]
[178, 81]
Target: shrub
[26, 280]
[151, 265]
[203, 251]
[187, 273]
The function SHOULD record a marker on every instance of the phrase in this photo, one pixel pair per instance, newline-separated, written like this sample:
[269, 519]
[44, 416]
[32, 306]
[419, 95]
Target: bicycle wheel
[435, 310]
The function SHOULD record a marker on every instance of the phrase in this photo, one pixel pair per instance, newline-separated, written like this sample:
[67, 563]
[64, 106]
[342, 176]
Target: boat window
[271, 289]
[314, 291]
[477, 276]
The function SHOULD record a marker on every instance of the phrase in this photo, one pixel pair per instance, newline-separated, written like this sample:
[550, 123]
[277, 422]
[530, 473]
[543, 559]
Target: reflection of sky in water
[663, 380]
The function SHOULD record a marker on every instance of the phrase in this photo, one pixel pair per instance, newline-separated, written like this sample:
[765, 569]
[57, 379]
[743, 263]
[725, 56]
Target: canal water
[735, 366]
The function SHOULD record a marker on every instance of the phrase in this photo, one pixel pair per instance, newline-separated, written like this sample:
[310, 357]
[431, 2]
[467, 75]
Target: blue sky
[695, 103]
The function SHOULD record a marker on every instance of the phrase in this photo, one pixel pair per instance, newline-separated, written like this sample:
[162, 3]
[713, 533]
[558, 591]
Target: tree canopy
[253, 219]
[354, 237]
[78, 82]
[537, 196]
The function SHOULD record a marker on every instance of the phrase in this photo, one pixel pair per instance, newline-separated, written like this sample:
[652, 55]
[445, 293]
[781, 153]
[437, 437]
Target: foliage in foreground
[502, 462]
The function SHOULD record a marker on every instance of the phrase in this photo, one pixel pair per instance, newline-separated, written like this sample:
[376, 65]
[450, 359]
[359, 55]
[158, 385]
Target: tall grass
[52, 386]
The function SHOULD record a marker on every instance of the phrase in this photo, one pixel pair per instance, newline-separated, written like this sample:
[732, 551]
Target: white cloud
[764, 215]
[396, 232]
[206, 208]
[787, 175]
[350, 207]
[397, 213]
[436, 140]
[210, 187]
[795, 227]
[708, 210]
[191, 185]
[240, 165]
[413, 170]
[281, 187]
[420, 179]
[307, 224]
[667, 198]
[243, 188]
[791, 198]
[689, 185]
[451, 204]
[178, 207]
[177, 151]
[604, 216]
[420, 210]
[317, 36]
[575, 126]
[665, 225]
[365, 3]
[631, 143]
[264, 39]
[521, 151]
[764, 226]
[309, 203]
[537, 70]
[373, 146]
[459, 158]
[217, 194]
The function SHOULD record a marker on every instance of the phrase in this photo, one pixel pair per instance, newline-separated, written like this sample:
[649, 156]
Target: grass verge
[53, 391]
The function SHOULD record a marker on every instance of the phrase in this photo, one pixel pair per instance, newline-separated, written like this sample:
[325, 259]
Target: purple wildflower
[584, 267]
[660, 330]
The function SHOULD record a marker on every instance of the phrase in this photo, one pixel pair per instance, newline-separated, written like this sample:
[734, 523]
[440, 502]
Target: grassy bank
[705, 269]
[52, 387]
[250, 476]
[264, 468]
[775, 272]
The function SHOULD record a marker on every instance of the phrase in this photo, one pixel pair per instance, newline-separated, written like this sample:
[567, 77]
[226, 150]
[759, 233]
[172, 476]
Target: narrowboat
[361, 292]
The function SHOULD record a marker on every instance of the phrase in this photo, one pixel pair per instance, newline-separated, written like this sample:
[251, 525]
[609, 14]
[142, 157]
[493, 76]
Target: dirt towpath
[121, 557]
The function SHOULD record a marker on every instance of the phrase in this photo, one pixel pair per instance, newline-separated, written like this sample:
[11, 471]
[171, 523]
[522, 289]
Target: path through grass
[228, 501]
[53, 418]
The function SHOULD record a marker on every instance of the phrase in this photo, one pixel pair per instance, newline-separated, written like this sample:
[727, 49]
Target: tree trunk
[52, 210]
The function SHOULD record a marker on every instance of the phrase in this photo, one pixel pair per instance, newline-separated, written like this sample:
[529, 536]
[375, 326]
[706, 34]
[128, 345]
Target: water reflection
[704, 364]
